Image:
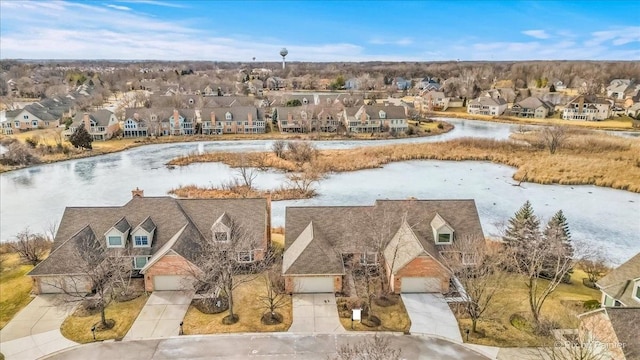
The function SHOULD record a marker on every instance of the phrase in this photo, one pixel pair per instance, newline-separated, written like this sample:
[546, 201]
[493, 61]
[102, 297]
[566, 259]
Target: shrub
[440, 126]
[32, 141]
[278, 148]
[591, 305]
[300, 151]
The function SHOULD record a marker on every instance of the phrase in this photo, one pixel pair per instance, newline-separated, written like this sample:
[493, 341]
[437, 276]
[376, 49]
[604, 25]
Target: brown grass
[618, 123]
[392, 318]
[561, 307]
[246, 306]
[15, 287]
[193, 191]
[78, 328]
[587, 159]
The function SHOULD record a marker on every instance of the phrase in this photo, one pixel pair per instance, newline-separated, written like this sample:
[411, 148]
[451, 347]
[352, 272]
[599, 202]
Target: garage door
[317, 284]
[420, 285]
[55, 285]
[172, 282]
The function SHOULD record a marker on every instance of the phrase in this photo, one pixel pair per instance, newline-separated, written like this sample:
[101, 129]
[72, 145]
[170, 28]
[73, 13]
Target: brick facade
[170, 264]
[596, 327]
[422, 266]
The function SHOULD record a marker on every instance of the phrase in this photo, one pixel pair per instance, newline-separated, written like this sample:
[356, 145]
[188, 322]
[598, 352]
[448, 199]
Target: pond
[604, 217]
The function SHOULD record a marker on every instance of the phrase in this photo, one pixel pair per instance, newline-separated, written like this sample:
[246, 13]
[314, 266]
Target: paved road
[263, 346]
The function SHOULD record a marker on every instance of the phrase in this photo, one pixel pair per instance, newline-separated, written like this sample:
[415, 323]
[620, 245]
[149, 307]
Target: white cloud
[618, 36]
[538, 34]
[119, 7]
[398, 42]
[155, 3]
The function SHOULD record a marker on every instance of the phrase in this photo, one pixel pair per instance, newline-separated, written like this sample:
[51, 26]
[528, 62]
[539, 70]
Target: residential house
[611, 333]
[429, 84]
[329, 119]
[486, 105]
[587, 107]
[135, 123]
[634, 110]
[352, 84]
[376, 118]
[615, 324]
[618, 88]
[298, 119]
[621, 286]
[159, 234]
[256, 87]
[406, 237]
[47, 113]
[559, 85]
[532, 107]
[402, 83]
[232, 120]
[101, 124]
[181, 122]
[275, 83]
[432, 100]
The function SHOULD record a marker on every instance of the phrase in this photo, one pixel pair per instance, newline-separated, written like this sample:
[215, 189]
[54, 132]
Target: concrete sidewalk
[315, 313]
[161, 315]
[35, 330]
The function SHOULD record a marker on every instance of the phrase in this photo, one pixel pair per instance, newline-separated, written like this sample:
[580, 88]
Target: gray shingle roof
[353, 229]
[618, 283]
[148, 225]
[625, 322]
[169, 214]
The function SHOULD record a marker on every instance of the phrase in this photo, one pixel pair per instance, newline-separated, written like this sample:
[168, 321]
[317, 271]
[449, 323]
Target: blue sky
[320, 30]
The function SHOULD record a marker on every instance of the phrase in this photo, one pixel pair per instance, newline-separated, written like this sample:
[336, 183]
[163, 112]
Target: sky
[327, 30]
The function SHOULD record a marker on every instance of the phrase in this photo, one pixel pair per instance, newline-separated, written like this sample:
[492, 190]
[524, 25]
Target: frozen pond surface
[609, 218]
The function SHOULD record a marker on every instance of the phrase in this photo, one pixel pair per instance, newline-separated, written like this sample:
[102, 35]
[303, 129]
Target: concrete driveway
[161, 315]
[430, 314]
[315, 313]
[35, 330]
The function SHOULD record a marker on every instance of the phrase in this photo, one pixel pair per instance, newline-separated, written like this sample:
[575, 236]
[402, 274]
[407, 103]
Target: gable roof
[618, 283]
[353, 229]
[169, 218]
[403, 248]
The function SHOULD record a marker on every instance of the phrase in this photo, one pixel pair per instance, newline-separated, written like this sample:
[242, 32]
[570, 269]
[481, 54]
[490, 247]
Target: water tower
[283, 52]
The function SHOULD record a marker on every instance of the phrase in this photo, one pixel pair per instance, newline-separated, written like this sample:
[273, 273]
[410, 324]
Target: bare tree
[554, 137]
[246, 173]
[304, 181]
[279, 147]
[32, 248]
[226, 262]
[275, 296]
[371, 348]
[478, 268]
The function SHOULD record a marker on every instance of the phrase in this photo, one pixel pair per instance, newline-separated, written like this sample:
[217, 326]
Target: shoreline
[105, 148]
[587, 159]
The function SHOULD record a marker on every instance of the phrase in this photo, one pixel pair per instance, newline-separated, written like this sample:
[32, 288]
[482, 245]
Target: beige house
[588, 108]
[486, 105]
[406, 237]
[532, 107]
[159, 234]
[101, 124]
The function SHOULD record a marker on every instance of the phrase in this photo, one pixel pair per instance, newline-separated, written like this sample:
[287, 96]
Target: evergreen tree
[523, 233]
[81, 138]
[558, 237]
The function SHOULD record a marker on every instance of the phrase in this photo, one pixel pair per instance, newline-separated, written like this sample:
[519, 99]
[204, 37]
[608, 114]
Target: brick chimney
[137, 193]
[213, 117]
[87, 122]
[250, 118]
[176, 120]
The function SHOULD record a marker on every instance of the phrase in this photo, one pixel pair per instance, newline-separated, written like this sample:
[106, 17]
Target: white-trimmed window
[140, 261]
[369, 258]
[114, 241]
[636, 291]
[222, 236]
[444, 238]
[34, 123]
[608, 300]
[228, 116]
[141, 240]
[245, 256]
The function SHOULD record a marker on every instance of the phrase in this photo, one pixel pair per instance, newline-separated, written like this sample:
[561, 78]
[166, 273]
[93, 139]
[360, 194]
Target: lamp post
[181, 331]
[93, 331]
[467, 331]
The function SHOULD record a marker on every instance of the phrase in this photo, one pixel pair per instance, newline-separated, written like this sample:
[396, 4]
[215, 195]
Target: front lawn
[392, 318]
[78, 328]
[15, 287]
[560, 309]
[246, 306]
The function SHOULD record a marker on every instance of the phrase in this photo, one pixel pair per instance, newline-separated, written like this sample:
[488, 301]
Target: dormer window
[228, 116]
[636, 290]
[382, 114]
[442, 231]
[221, 236]
[141, 240]
[115, 241]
